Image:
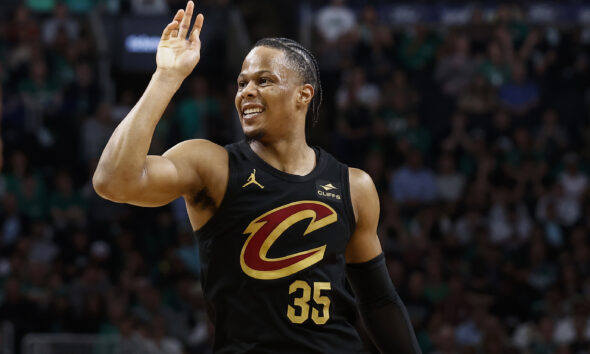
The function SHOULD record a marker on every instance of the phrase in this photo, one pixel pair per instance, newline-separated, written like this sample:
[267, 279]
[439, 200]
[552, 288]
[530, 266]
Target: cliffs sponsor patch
[328, 190]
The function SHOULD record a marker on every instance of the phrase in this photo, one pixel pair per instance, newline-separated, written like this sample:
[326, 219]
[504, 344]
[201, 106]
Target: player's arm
[125, 173]
[381, 308]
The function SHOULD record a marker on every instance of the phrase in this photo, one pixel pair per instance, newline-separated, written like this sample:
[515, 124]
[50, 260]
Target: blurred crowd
[477, 137]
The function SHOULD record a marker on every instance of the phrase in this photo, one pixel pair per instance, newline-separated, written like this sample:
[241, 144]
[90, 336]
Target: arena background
[472, 119]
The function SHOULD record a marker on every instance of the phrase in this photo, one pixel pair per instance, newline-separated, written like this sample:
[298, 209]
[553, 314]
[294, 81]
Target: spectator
[501, 135]
[335, 20]
[95, 132]
[41, 95]
[574, 329]
[449, 182]
[12, 222]
[455, 68]
[22, 28]
[81, 6]
[21, 312]
[162, 343]
[41, 6]
[458, 137]
[508, 220]
[416, 135]
[417, 48]
[470, 332]
[66, 205]
[551, 136]
[417, 305]
[519, 96]
[542, 339]
[356, 102]
[149, 7]
[60, 21]
[188, 252]
[444, 340]
[574, 185]
[557, 210]
[413, 184]
[542, 273]
[31, 198]
[82, 96]
[195, 111]
[151, 308]
[43, 250]
[478, 100]
[573, 182]
[357, 91]
[495, 67]
[467, 226]
[397, 103]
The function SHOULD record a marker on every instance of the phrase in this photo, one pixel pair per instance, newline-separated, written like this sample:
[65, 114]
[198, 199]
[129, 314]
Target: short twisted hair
[304, 64]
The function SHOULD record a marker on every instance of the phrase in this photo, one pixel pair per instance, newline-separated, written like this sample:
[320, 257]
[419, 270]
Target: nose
[250, 90]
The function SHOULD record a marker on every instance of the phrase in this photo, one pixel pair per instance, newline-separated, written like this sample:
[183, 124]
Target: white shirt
[573, 185]
[334, 21]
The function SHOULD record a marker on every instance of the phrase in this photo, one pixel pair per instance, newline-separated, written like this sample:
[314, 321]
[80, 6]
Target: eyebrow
[260, 72]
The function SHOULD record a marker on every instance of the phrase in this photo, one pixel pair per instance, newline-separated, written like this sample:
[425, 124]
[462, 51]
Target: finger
[196, 31]
[169, 28]
[178, 17]
[195, 41]
[186, 21]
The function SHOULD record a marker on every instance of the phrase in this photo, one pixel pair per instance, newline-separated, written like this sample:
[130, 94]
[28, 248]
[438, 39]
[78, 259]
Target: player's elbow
[102, 186]
[108, 187]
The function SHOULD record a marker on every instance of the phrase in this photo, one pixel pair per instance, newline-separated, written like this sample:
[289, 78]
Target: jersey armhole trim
[347, 199]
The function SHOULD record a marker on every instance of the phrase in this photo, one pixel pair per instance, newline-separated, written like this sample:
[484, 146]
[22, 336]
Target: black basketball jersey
[273, 267]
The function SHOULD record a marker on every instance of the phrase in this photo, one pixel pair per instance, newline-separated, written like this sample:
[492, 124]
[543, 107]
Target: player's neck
[291, 156]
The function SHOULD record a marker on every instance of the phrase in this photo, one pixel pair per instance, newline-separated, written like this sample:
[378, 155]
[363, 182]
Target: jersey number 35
[302, 302]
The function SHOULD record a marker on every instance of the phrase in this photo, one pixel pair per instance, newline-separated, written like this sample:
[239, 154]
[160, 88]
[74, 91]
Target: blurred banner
[134, 40]
[541, 13]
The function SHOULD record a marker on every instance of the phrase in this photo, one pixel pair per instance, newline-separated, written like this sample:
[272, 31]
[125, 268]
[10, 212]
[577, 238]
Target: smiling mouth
[252, 112]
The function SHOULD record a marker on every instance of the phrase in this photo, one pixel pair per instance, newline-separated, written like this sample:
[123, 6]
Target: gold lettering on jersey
[252, 180]
[329, 195]
[267, 228]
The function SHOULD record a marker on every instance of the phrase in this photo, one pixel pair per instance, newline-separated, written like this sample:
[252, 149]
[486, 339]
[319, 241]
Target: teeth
[253, 110]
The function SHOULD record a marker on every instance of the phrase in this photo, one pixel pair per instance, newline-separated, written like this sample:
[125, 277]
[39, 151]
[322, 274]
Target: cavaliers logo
[268, 227]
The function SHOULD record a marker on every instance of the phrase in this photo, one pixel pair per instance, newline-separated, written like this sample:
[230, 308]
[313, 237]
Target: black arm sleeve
[381, 308]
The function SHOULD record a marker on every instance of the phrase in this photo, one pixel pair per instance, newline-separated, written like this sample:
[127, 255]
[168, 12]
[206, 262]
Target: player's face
[266, 97]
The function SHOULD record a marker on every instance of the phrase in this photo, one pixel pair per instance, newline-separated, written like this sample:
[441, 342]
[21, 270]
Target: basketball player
[281, 225]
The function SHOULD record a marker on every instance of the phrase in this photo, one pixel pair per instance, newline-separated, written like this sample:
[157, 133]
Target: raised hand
[177, 56]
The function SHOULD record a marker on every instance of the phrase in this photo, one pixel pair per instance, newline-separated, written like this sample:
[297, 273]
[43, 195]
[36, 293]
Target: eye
[242, 84]
[264, 81]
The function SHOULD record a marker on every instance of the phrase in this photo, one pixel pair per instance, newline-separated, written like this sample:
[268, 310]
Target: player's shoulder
[204, 157]
[197, 149]
[363, 193]
[360, 180]
[190, 145]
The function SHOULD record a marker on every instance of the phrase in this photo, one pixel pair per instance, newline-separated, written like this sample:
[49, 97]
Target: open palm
[177, 54]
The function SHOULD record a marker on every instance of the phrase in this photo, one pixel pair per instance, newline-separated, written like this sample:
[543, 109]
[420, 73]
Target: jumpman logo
[252, 179]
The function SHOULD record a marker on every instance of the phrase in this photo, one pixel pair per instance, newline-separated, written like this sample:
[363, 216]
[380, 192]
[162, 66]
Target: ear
[305, 94]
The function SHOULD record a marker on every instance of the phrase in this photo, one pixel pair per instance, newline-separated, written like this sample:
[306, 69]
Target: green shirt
[495, 74]
[192, 115]
[41, 5]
